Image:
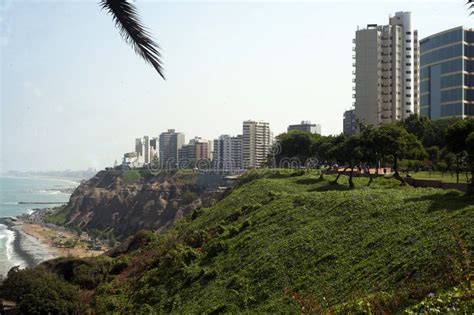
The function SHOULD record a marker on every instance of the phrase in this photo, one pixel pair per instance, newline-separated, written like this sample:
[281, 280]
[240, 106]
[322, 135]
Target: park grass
[447, 177]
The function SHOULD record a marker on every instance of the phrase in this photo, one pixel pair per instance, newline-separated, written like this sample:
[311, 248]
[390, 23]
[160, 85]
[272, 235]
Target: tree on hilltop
[456, 137]
[396, 143]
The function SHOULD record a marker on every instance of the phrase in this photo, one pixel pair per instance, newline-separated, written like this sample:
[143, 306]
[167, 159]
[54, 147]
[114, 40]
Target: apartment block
[306, 126]
[349, 123]
[170, 142]
[256, 143]
[139, 146]
[227, 155]
[386, 71]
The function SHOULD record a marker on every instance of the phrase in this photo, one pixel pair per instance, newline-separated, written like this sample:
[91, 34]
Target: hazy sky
[74, 95]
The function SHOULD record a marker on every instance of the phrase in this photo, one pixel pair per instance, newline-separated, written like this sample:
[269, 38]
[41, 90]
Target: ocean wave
[9, 235]
[49, 191]
[10, 203]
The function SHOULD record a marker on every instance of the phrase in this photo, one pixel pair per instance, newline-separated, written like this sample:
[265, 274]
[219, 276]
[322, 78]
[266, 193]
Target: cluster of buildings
[397, 75]
[228, 153]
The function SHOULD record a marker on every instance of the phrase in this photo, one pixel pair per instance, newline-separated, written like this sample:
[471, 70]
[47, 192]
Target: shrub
[37, 291]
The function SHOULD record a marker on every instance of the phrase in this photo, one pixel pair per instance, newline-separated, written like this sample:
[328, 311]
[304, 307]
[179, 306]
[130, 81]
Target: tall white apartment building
[227, 154]
[256, 143]
[386, 71]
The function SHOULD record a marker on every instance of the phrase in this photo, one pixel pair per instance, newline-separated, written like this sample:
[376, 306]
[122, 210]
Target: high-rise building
[306, 126]
[170, 142]
[196, 149]
[227, 154]
[349, 123]
[256, 142]
[447, 74]
[386, 71]
[139, 146]
[146, 149]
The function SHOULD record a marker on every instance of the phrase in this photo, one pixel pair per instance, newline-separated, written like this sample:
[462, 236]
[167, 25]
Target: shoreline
[23, 254]
[33, 242]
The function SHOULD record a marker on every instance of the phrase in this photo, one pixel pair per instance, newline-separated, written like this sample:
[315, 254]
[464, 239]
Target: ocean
[19, 195]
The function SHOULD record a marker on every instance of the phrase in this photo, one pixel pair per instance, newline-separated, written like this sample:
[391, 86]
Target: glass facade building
[447, 74]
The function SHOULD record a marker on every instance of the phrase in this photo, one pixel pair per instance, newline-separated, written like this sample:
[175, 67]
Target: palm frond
[470, 6]
[128, 22]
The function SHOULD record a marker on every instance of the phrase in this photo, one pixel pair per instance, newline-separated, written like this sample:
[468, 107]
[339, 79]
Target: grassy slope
[282, 243]
[447, 177]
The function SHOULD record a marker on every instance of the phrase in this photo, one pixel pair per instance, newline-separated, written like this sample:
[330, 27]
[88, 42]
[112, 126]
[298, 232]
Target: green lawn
[446, 177]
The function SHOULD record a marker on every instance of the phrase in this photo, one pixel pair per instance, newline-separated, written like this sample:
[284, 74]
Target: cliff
[124, 202]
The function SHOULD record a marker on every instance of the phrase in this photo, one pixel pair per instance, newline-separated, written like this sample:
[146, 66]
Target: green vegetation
[58, 216]
[38, 291]
[131, 176]
[289, 242]
[413, 144]
[447, 177]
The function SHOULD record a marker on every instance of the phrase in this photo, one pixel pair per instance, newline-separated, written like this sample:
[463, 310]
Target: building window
[451, 109]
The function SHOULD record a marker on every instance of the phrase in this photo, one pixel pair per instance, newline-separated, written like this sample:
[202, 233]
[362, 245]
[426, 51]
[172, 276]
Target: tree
[38, 291]
[350, 153]
[456, 138]
[127, 21]
[470, 154]
[322, 150]
[296, 144]
[396, 143]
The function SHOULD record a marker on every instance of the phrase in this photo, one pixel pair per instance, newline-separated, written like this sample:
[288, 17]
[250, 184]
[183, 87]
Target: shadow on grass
[309, 181]
[329, 186]
[450, 201]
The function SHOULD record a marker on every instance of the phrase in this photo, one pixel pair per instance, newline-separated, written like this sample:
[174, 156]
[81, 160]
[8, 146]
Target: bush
[37, 291]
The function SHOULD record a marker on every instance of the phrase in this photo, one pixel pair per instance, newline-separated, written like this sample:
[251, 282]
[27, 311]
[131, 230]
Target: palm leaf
[470, 5]
[127, 21]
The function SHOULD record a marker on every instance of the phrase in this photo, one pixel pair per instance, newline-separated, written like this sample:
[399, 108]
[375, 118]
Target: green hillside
[289, 243]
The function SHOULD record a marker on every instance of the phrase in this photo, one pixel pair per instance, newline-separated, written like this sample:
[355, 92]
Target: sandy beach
[35, 243]
[46, 236]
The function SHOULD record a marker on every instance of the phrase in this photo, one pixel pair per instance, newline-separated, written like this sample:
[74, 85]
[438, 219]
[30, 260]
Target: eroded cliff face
[127, 202]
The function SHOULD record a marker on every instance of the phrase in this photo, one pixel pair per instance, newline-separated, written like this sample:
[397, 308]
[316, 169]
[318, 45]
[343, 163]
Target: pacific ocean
[19, 195]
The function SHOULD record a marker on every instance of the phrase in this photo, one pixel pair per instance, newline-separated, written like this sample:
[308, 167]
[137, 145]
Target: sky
[74, 95]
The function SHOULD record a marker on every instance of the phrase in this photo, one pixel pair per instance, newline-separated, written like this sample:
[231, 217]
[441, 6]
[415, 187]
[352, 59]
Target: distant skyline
[75, 96]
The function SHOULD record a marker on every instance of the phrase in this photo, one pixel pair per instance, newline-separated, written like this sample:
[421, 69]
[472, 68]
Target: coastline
[27, 256]
[33, 243]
